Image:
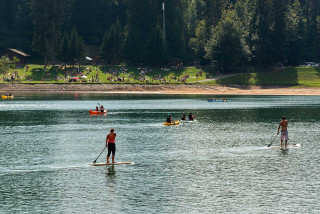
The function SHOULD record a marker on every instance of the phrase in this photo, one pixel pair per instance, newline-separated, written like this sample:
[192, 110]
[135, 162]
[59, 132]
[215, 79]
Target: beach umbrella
[85, 77]
[75, 78]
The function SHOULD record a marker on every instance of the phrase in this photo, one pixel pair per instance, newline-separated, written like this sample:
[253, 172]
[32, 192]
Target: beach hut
[11, 53]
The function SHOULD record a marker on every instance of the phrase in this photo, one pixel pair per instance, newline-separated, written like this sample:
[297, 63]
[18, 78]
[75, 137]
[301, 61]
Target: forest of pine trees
[230, 33]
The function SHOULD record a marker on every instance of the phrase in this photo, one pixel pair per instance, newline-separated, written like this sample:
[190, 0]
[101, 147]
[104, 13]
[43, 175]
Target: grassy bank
[293, 76]
[102, 74]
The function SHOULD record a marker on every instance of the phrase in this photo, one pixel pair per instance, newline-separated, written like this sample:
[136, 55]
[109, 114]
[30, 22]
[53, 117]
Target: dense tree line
[229, 33]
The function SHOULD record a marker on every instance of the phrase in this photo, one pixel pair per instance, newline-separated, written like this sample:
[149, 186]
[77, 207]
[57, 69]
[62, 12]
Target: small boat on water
[215, 100]
[7, 97]
[188, 121]
[98, 112]
[176, 122]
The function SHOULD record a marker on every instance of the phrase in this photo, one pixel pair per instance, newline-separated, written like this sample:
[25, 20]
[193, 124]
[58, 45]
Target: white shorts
[284, 135]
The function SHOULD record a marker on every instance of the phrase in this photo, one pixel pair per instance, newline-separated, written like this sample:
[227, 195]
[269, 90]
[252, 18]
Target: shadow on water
[111, 172]
[284, 151]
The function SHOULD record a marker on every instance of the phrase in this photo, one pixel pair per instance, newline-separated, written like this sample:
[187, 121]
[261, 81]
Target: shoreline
[17, 88]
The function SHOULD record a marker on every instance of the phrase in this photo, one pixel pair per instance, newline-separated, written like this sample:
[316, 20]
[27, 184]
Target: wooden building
[176, 62]
[11, 53]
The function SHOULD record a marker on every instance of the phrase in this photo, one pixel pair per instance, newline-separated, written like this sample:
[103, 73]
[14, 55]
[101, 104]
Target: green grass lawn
[133, 75]
[293, 76]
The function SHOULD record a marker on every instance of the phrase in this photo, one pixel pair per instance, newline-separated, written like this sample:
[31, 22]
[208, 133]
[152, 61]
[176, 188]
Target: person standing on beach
[284, 131]
[111, 144]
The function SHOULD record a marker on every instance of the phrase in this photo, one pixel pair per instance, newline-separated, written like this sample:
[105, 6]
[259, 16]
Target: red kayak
[98, 112]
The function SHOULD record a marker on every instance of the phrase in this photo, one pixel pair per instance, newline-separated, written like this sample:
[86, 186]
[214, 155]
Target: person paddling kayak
[191, 117]
[169, 119]
[284, 131]
[183, 117]
[102, 108]
[111, 144]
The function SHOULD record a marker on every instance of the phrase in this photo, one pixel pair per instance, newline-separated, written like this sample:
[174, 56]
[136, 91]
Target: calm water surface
[220, 164]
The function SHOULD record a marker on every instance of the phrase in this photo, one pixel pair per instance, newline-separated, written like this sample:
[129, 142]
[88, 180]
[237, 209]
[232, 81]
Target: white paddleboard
[106, 164]
[289, 146]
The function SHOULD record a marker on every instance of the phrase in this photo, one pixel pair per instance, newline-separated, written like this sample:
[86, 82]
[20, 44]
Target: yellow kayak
[173, 123]
[7, 97]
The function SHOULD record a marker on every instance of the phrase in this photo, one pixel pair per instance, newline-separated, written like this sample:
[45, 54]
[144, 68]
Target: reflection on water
[221, 164]
[111, 172]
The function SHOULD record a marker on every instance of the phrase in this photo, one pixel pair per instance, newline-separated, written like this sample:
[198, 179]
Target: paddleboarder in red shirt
[111, 144]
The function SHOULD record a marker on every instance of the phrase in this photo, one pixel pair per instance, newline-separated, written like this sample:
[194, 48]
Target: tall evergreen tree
[64, 49]
[140, 19]
[294, 34]
[73, 46]
[47, 27]
[280, 10]
[264, 48]
[40, 40]
[81, 50]
[77, 48]
[227, 45]
[175, 28]
[156, 51]
[111, 49]
[199, 41]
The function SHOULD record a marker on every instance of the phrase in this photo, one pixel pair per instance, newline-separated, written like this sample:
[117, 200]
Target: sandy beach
[156, 89]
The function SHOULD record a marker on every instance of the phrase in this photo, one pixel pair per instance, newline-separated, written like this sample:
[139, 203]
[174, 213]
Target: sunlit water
[220, 164]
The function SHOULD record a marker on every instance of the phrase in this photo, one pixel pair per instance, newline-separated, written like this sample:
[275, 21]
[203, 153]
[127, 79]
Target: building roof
[19, 52]
[176, 59]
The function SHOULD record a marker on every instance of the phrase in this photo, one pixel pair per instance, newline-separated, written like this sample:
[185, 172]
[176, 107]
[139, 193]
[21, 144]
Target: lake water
[220, 164]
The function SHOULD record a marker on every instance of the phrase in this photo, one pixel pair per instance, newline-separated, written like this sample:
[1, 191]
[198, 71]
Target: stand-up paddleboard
[288, 146]
[108, 164]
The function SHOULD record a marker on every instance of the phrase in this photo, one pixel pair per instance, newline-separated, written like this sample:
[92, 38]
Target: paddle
[272, 141]
[99, 155]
